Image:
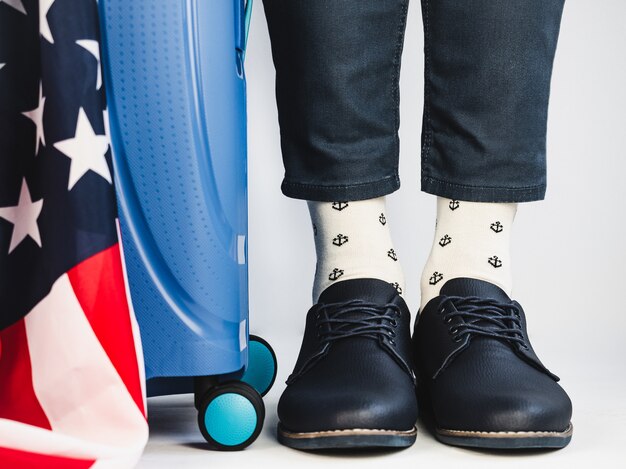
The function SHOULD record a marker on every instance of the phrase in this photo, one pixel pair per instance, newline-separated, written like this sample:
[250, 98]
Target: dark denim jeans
[488, 65]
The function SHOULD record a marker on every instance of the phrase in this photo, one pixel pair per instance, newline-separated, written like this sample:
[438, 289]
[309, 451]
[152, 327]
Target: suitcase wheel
[231, 416]
[262, 365]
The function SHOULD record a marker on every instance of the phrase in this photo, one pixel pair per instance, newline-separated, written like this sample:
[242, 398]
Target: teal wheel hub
[230, 419]
[261, 370]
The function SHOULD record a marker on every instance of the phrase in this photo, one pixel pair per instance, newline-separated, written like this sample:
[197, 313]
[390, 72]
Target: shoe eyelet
[392, 342]
[392, 333]
[441, 310]
[394, 323]
[447, 320]
[457, 338]
[453, 331]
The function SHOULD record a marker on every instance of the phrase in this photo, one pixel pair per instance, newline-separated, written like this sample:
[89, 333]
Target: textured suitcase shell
[176, 97]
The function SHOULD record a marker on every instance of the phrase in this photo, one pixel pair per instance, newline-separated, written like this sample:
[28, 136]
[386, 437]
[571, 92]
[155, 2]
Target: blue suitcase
[177, 109]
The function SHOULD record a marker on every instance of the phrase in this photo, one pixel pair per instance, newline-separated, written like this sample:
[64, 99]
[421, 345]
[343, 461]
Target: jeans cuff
[346, 192]
[482, 193]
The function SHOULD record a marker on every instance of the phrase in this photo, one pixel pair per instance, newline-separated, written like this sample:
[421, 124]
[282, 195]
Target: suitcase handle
[244, 13]
[243, 29]
[247, 16]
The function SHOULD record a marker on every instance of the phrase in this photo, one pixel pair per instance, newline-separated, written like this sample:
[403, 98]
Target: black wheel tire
[230, 416]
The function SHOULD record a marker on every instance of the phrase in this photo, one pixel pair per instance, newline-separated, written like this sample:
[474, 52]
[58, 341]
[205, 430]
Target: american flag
[71, 392]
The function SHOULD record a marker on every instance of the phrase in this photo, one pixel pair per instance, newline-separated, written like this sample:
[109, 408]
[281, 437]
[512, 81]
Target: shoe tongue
[465, 286]
[366, 289]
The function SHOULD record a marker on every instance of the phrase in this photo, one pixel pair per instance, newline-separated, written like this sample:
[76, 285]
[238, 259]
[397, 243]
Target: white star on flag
[36, 115]
[93, 48]
[44, 27]
[86, 150]
[24, 218]
[17, 4]
[107, 125]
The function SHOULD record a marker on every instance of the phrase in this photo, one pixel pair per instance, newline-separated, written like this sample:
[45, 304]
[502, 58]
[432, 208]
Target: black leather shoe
[479, 375]
[353, 383]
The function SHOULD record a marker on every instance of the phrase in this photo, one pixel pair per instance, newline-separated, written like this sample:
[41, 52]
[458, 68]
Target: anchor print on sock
[340, 240]
[391, 253]
[497, 227]
[382, 219]
[443, 242]
[340, 205]
[454, 204]
[435, 278]
[335, 274]
[397, 286]
[495, 262]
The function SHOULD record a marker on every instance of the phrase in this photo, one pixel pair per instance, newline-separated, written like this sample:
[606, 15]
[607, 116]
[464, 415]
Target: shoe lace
[485, 317]
[356, 317]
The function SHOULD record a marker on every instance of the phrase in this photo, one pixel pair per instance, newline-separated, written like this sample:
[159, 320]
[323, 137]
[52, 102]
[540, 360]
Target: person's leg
[353, 240]
[337, 90]
[487, 82]
[472, 239]
[337, 75]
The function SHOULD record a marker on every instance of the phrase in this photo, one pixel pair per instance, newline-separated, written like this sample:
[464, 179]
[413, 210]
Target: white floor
[599, 439]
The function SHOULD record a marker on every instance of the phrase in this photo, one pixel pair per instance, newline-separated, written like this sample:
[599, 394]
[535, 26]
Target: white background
[569, 255]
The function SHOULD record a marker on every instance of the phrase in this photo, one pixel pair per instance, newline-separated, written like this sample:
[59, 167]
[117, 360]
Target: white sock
[353, 240]
[472, 239]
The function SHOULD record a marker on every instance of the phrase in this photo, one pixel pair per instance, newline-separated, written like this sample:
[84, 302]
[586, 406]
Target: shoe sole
[506, 440]
[346, 439]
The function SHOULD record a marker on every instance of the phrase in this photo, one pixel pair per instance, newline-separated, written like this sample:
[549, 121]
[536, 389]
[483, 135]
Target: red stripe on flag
[17, 396]
[98, 284]
[26, 460]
